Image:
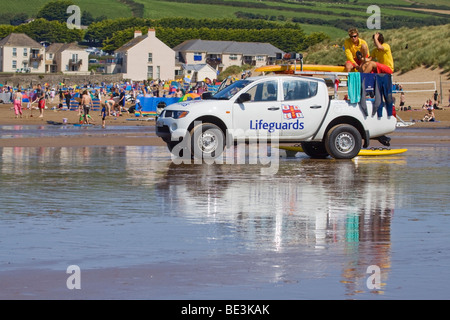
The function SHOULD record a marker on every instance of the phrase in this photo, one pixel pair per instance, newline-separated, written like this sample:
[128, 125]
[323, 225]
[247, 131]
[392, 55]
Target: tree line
[110, 34]
[285, 39]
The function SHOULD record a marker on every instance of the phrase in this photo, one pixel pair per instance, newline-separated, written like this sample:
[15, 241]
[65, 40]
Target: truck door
[262, 112]
[303, 107]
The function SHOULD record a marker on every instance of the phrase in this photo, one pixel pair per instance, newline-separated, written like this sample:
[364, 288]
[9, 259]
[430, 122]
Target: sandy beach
[53, 116]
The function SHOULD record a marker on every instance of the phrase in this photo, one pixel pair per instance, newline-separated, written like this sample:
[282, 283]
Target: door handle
[315, 107]
[273, 108]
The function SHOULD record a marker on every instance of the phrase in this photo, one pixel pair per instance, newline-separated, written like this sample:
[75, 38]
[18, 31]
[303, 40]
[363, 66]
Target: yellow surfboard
[289, 68]
[363, 152]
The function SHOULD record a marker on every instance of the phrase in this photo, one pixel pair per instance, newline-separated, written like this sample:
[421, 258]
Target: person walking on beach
[17, 99]
[40, 98]
[67, 96]
[86, 103]
[104, 114]
[121, 101]
[382, 53]
[355, 50]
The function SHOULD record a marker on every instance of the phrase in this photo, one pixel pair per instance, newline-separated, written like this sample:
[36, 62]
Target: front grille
[163, 129]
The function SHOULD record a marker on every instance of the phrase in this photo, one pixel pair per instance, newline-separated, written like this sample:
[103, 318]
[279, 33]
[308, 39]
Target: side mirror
[244, 98]
[206, 95]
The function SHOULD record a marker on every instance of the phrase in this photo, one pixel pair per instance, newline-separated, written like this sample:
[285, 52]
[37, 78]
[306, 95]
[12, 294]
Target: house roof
[60, 47]
[19, 40]
[219, 47]
[197, 67]
[131, 43]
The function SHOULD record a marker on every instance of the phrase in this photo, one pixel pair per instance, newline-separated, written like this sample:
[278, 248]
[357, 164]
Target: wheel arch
[353, 122]
[210, 119]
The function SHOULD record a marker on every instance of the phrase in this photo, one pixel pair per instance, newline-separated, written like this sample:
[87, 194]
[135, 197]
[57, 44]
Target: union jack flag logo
[291, 112]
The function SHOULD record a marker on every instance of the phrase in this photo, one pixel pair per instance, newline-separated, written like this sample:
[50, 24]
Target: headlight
[175, 114]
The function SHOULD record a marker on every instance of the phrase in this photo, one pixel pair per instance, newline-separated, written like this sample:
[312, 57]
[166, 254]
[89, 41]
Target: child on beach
[104, 113]
[17, 98]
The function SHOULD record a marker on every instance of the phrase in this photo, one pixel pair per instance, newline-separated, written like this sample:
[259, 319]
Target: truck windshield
[228, 92]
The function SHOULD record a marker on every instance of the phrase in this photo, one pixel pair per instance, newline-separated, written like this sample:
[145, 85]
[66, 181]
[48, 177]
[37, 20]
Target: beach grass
[411, 48]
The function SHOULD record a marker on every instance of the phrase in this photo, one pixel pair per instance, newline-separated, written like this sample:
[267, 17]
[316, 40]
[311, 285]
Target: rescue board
[363, 152]
[289, 68]
[82, 125]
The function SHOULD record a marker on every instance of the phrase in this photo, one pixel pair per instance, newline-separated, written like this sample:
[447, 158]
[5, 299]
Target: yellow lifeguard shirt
[384, 56]
[351, 48]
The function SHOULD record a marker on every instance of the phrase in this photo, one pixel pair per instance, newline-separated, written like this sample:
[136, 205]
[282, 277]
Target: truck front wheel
[343, 141]
[207, 141]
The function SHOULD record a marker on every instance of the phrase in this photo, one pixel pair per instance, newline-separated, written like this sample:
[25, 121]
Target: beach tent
[149, 105]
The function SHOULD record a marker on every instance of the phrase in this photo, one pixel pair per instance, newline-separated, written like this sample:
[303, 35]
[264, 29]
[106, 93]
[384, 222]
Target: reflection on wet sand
[308, 203]
[308, 209]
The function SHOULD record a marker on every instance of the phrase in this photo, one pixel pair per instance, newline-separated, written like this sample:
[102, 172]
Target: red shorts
[41, 104]
[357, 64]
[382, 68]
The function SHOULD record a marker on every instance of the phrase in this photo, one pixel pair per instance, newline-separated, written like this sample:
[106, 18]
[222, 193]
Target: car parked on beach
[286, 108]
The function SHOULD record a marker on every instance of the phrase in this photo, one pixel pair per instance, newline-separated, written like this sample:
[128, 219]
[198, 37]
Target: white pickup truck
[294, 109]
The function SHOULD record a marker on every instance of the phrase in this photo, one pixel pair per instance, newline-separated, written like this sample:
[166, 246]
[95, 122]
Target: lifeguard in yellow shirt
[355, 50]
[382, 54]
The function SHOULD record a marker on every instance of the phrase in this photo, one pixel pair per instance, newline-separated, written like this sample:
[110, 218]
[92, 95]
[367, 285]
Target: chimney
[151, 33]
[137, 33]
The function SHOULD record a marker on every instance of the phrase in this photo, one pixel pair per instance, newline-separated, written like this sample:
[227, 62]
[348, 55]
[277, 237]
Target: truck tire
[343, 141]
[315, 150]
[207, 141]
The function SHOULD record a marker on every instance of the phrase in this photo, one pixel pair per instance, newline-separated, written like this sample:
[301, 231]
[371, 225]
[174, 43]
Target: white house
[67, 58]
[145, 57]
[198, 72]
[18, 52]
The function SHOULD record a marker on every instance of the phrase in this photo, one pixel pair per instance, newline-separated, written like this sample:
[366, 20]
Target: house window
[50, 56]
[233, 56]
[75, 57]
[158, 72]
[197, 56]
[14, 52]
[25, 52]
[14, 64]
[150, 72]
[150, 57]
[259, 58]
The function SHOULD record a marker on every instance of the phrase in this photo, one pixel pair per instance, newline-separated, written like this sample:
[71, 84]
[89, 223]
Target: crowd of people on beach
[114, 98]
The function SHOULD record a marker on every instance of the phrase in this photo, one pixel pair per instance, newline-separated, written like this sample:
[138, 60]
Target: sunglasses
[354, 36]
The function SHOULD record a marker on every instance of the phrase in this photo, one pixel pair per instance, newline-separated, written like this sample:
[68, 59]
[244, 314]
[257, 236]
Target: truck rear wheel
[343, 141]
